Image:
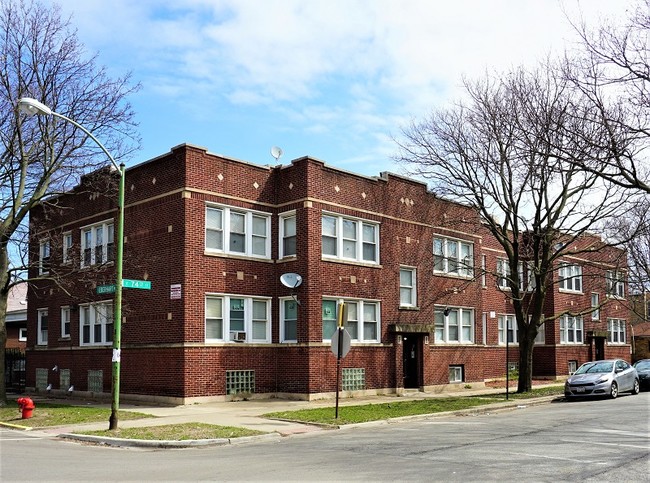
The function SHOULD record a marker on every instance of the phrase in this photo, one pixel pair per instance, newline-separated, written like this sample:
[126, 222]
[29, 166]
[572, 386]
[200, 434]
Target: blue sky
[332, 79]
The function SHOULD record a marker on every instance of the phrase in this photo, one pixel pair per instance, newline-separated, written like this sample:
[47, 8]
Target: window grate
[240, 381]
[64, 378]
[41, 379]
[354, 379]
[96, 381]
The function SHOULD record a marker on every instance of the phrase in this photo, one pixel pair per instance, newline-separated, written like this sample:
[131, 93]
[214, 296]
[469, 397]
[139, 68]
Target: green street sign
[141, 284]
[105, 289]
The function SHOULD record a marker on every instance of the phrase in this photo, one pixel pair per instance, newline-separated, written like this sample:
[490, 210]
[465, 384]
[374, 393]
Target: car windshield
[595, 367]
[642, 365]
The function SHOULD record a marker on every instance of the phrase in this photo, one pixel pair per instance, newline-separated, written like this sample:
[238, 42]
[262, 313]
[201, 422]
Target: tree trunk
[526, 346]
[3, 342]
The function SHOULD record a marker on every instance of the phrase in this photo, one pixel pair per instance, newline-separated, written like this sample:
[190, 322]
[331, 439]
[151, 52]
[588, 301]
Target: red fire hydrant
[26, 405]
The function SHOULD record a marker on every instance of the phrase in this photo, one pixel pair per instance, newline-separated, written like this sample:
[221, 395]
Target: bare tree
[612, 70]
[41, 157]
[513, 150]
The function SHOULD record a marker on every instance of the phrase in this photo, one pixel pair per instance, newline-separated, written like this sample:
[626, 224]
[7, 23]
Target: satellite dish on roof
[276, 152]
[290, 280]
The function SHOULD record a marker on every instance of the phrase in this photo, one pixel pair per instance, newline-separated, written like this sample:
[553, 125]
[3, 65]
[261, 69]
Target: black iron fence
[15, 369]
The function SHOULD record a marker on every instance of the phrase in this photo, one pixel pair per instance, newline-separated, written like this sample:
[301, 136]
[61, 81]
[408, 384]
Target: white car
[602, 378]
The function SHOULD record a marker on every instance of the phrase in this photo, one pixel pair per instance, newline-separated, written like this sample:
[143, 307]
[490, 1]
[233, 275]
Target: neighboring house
[641, 342]
[16, 321]
[640, 304]
[214, 235]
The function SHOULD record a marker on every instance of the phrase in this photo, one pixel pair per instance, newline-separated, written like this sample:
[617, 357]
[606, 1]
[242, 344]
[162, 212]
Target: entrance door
[411, 357]
[599, 344]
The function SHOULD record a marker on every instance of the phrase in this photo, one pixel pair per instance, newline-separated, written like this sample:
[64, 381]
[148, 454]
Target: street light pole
[32, 107]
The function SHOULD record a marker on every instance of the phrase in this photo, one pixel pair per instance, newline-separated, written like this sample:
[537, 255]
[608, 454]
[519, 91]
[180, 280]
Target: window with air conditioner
[234, 318]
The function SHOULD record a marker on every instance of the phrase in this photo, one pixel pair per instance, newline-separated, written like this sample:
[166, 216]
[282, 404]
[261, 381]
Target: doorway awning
[412, 328]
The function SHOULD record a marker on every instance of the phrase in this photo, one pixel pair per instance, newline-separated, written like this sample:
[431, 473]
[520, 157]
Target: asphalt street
[592, 440]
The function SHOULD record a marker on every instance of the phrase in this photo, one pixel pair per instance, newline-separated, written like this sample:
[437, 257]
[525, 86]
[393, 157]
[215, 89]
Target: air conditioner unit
[238, 336]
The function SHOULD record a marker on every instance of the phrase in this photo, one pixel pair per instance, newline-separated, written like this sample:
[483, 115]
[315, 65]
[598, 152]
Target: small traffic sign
[141, 284]
[101, 289]
[341, 348]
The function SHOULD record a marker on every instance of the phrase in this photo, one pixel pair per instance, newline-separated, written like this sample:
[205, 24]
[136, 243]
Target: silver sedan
[602, 378]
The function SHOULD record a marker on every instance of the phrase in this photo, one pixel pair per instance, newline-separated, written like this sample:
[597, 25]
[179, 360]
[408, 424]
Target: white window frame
[96, 316]
[615, 284]
[44, 256]
[570, 278]
[228, 334]
[66, 243]
[616, 331]
[456, 373]
[283, 319]
[107, 244]
[65, 322]
[284, 236]
[358, 239]
[571, 327]
[226, 231]
[540, 338]
[442, 333]
[503, 274]
[462, 266]
[22, 334]
[42, 329]
[507, 322]
[483, 271]
[408, 293]
[595, 305]
[360, 319]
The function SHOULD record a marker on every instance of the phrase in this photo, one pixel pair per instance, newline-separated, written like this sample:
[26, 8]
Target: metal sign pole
[338, 369]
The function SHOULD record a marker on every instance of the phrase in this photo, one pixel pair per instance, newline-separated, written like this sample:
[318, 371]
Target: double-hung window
[454, 325]
[44, 257]
[42, 327]
[235, 318]
[615, 284]
[508, 329]
[97, 244]
[570, 277]
[362, 323]
[349, 239]
[503, 273]
[96, 323]
[67, 248]
[288, 320]
[571, 329]
[616, 331]
[65, 322]
[454, 257]
[287, 235]
[595, 305]
[407, 287]
[237, 231]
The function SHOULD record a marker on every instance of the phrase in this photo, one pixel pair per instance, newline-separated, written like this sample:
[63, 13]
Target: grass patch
[176, 432]
[50, 414]
[539, 392]
[379, 412]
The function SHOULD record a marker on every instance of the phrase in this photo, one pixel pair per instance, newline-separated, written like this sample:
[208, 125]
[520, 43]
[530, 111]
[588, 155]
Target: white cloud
[350, 69]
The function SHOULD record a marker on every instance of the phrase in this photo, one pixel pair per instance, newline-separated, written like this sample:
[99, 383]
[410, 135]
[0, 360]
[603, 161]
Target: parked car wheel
[613, 391]
[635, 388]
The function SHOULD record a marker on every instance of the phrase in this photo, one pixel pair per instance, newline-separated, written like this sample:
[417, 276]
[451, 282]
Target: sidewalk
[247, 414]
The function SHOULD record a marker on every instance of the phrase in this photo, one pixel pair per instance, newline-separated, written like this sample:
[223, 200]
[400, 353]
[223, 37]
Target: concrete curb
[16, 426]
[123, 442]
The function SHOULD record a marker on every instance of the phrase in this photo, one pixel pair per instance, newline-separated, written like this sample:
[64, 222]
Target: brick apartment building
[214, 235]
